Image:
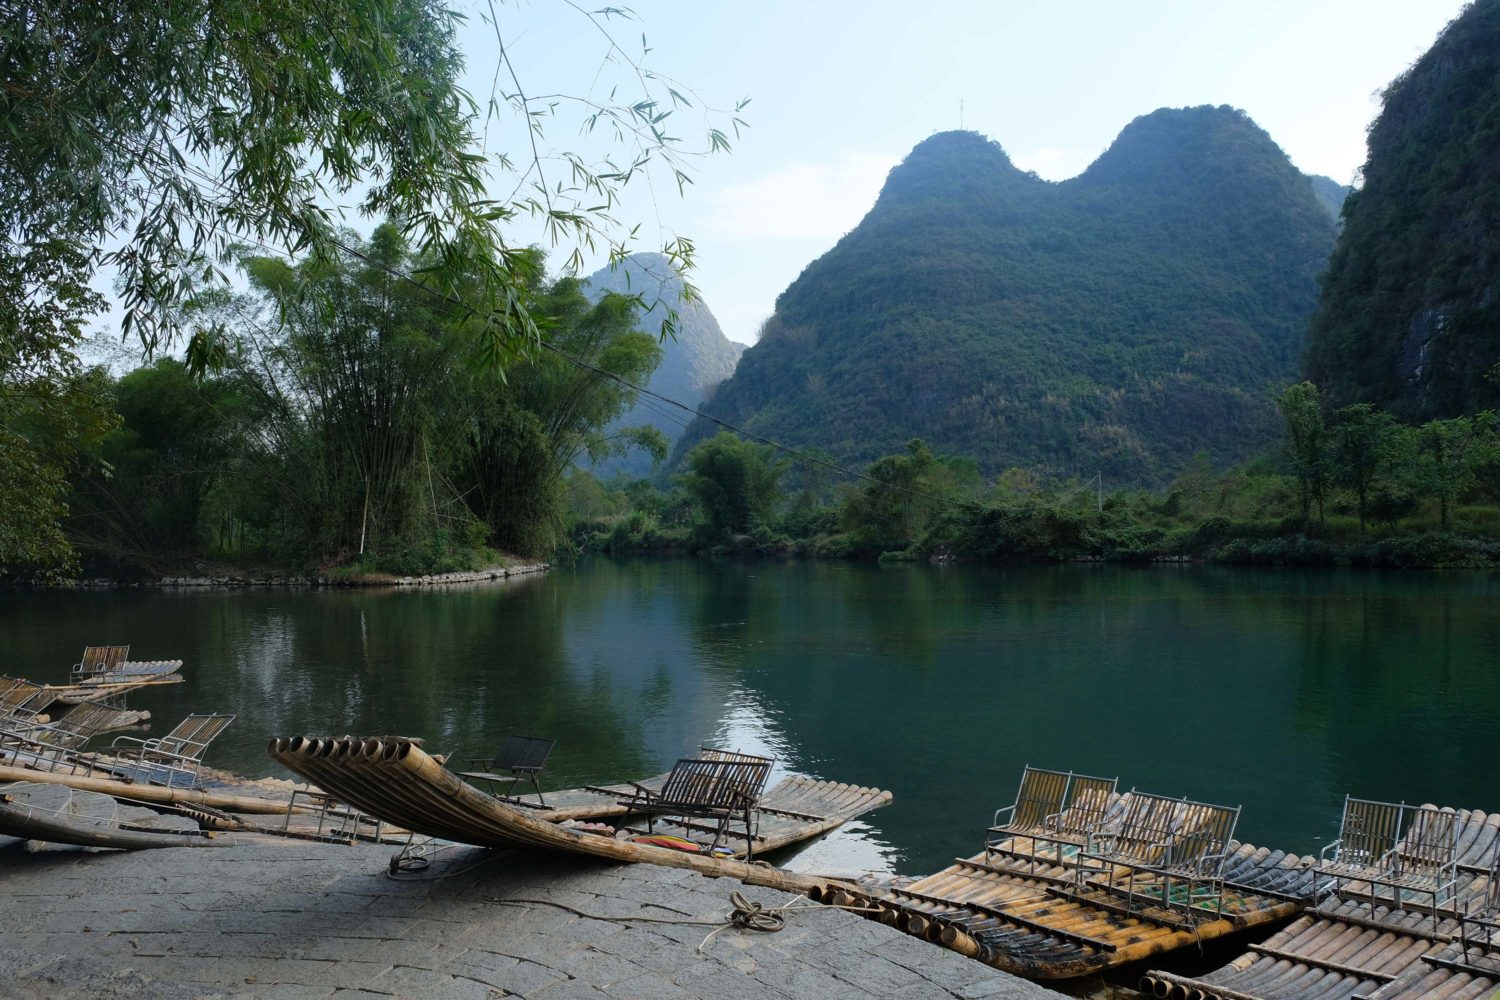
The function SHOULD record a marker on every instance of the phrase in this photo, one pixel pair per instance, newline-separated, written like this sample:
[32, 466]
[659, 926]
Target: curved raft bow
[394, 780]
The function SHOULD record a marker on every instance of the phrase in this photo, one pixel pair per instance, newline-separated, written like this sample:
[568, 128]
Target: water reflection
[1280, 691]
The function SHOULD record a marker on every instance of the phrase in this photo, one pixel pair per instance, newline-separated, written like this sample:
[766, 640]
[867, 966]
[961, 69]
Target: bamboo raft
[1353, 948]
[394, 780]
[1024, 916]
[56, 814]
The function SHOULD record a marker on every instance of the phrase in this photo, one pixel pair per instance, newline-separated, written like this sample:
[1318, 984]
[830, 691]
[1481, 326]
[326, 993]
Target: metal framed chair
[1479, 920]
[174, 760]
[1158, 842]
[20, 700]
[50, 746]
[764, 774]
[721, 791]
[99, 660]
[521, 758]
[1059, 808]
[1410, 850]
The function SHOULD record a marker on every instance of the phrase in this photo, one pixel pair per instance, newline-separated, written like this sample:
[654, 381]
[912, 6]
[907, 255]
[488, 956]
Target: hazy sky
[840, 92]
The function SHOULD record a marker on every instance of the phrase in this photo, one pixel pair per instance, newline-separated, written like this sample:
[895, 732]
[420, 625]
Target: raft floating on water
[396, 781]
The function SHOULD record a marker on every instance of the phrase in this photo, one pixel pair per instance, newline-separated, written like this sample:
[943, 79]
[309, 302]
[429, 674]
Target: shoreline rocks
[489, 574]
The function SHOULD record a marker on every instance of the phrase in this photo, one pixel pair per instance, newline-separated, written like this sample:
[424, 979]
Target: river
[1278, 691]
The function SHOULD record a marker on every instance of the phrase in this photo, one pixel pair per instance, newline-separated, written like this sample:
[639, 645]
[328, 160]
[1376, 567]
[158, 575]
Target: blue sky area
[841, 91]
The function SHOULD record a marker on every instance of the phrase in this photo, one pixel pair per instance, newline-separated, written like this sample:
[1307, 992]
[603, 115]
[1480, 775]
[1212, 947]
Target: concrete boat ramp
[295, 919]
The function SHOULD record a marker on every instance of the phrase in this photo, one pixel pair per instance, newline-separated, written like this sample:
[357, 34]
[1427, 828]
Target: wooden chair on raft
[1410, 850]
[1052, 808]
[714, 753]
[174, 760]
[50, 746]
[20, 701]
[718, 790]
[1479, 921]
[521, 758]
[99, 660]
[1164, 852]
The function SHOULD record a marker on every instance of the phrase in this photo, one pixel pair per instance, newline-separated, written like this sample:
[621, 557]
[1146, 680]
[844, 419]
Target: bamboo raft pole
[247, 804]
[397, 781]
[26, 822]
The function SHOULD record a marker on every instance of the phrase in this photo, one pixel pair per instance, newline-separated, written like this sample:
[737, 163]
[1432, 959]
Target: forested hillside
[1410, 313]
[1117, 322]
[694, 360]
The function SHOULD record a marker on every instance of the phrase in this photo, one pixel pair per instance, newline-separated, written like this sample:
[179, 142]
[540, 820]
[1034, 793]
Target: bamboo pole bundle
[148, 793]
[397, 781]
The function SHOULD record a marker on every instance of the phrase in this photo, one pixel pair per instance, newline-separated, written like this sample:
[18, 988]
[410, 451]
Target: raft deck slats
[1354, 946]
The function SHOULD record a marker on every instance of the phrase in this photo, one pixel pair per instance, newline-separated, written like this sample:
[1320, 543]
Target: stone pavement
[318, 921]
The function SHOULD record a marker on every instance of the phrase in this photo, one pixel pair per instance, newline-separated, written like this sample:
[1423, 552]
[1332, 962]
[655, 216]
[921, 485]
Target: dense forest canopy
[1410, 312]
[349, 425]
[1118, 322]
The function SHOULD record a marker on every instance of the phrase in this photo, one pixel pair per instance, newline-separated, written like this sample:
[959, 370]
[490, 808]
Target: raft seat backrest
[760, 774]
[1041, 795]
[1369, 832]
[1429, 844]
[17, 696]
[523, 754]
[68, 733]
[714, 784]
[190, 737]
[1145, 831]
[521, 758]
[100, 659]
[1202, 836]
[710, 789]
[176, 756]
[1088, 805]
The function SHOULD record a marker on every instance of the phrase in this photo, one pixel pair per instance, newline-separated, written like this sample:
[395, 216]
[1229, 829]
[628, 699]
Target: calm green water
[1278, 690]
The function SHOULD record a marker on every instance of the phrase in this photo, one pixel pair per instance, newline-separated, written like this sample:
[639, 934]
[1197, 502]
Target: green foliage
[530, 430]
[1388, 495]
[1368, 453]
[349, 428]
[1451, 453]
[1119, 322]
[53, 412]
[1306, 443]
[190, 125]
[1409, 317]
[736, 484]
[176, 436]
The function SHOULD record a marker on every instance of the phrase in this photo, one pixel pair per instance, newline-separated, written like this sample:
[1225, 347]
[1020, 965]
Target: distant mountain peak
[951, 163]
[1169, 144]
[694, 361]
[1118, 322]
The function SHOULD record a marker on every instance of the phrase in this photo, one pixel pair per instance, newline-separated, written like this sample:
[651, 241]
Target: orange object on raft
[678, 844]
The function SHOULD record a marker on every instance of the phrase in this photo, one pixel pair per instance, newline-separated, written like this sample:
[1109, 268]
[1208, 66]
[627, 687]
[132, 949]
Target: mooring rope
[746, 914]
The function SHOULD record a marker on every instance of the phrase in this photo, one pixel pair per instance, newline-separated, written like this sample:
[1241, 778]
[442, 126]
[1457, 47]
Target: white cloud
[802, 200]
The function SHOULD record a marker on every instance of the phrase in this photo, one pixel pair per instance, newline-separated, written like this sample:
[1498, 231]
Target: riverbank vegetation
[1348, 487]
[351, 427]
